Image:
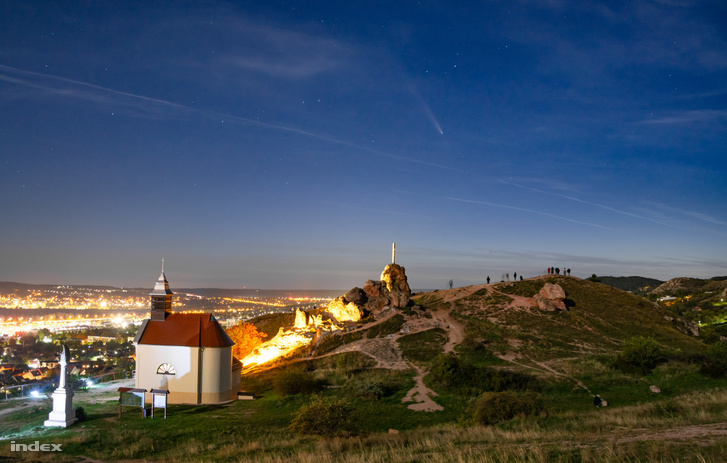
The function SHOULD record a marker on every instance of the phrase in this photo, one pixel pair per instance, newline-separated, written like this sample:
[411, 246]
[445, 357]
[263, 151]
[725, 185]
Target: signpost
[159, 400]
[131, 397]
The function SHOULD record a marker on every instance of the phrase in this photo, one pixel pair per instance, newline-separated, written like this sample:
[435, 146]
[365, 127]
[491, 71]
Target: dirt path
[694, 432]
[421, 394]
[454, 328]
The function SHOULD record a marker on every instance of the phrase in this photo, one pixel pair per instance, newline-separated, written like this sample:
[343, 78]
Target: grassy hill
[598, 319]
[466, 345]
[632, 284]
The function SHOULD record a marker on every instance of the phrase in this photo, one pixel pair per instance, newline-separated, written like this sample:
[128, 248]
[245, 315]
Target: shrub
[715, 362]
[498, 407]
[325, 417]
[294, 381]
[639, 355]
[81, 414]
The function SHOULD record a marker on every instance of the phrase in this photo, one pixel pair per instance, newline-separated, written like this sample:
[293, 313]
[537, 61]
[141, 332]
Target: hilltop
[414, 382]
[632, 284]
[502, 325]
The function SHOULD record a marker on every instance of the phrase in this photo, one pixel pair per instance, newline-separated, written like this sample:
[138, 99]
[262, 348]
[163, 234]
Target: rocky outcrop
[391, 291]
[301, 319]
[394, 276]
[344, 311]
[356, 295]
[377, 295]
[550, 298]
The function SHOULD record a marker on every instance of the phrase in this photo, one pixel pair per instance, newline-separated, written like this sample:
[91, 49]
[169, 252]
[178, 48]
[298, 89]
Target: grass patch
[390, 326]
[525, 288]
[332, 342]
[424, 346]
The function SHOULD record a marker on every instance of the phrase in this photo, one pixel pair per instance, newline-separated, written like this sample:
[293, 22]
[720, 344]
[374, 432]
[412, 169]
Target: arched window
[166, 369]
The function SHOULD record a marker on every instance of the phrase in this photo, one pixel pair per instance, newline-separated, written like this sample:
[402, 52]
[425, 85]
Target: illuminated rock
[284, 343]
[394, 276]
[344, 311]
[301, 319]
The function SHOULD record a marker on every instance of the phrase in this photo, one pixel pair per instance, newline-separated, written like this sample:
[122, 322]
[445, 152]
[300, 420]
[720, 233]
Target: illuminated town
[99, 324]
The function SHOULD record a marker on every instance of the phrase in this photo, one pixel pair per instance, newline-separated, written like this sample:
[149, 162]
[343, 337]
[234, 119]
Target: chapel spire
[161, 298]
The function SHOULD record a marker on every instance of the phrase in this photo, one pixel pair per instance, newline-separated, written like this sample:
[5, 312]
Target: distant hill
[691, 286]
[633, 284]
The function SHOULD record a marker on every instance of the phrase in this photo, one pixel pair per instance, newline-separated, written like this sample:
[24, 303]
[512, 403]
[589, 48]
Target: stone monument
[63, 414]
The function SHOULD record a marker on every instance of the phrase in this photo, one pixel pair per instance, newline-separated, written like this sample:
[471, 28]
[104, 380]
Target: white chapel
[188, 354]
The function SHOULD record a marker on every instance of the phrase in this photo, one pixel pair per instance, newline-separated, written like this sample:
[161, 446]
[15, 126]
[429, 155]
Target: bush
[325, 417]
[498, 407]
[80, 414]
[639, 355]
[715, 362]
[294, 381]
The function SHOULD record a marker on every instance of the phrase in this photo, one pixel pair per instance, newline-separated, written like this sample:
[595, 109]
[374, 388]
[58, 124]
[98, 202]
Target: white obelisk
[63, 414]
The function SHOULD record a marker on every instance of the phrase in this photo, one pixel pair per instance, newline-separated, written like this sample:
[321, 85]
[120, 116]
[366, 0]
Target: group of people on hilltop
[506, 276]
[556, 271]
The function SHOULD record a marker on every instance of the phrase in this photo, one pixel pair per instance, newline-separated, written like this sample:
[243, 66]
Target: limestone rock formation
[550, 298]
[377, 295]
[395, 278]
[301, 319]
[391, 291]
[356, 295]
[344, 311]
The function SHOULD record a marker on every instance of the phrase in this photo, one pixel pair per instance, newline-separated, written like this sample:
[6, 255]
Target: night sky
[286, 145]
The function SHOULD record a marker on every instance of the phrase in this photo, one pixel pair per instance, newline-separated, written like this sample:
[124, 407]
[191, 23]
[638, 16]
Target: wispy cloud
[582, 201]
[283, 53]
[676, 212]
[687, 117]
[531, 211]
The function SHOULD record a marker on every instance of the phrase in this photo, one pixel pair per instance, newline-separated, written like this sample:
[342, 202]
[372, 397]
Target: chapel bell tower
[161, 298]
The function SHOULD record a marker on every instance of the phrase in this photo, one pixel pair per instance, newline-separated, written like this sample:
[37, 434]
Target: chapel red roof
[181, 329]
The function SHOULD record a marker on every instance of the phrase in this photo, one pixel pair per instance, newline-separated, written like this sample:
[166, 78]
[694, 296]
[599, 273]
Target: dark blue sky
[288, 144]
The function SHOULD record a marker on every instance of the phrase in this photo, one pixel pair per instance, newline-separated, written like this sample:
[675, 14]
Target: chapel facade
[188, 354]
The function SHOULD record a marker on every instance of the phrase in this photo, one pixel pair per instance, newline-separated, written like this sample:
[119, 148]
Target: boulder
[549, 305]
[550, 298]
[377, 293]
[655, 389]
[395, 278]
[398, 299]
[356, 295]
[552, 291]
[344, 311]
[301, 319]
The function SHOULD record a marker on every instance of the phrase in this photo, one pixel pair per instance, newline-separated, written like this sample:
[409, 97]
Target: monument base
[63, 414]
